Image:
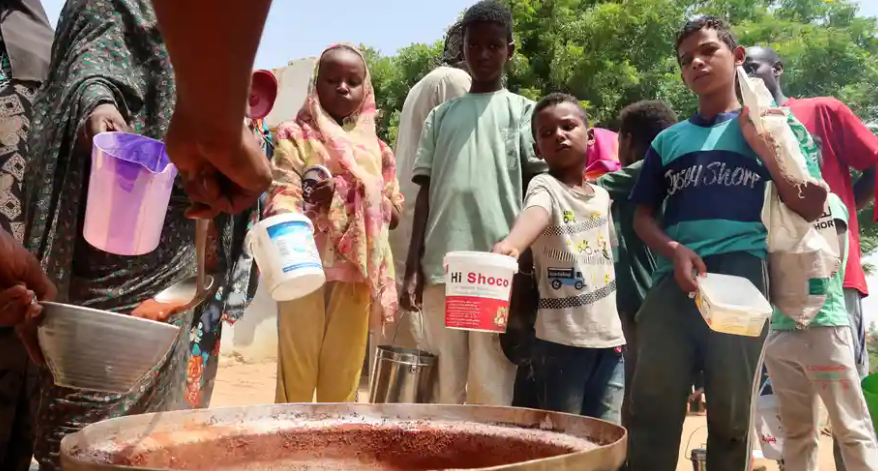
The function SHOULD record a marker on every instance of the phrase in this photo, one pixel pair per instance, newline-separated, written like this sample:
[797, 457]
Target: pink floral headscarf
[357, 222]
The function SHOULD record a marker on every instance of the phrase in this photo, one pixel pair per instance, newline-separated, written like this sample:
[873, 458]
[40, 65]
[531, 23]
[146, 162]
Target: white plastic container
[284, 249]
[477, 290]
[732, 305]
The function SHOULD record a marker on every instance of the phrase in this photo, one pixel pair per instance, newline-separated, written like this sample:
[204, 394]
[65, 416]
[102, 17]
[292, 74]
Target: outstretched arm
[206, 141]
[528, 227]
[212, 45]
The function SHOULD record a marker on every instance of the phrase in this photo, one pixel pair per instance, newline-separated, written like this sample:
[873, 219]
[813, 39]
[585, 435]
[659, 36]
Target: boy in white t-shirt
[577, 360]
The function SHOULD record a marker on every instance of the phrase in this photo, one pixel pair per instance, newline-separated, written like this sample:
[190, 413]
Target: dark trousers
[19, 398]
[673, 340]
[583, 381]
[629, 327]
[525, 390]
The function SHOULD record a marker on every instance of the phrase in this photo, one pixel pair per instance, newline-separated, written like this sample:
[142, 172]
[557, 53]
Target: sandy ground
[241, 384]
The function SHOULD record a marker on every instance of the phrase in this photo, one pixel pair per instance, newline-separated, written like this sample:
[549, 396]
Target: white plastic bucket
[284, 249]
[477, 290]
[732, 305]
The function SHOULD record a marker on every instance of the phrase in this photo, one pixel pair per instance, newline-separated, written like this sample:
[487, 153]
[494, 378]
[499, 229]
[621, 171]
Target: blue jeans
[582, 381]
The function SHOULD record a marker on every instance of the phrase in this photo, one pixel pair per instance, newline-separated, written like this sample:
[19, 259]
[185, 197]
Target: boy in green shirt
[639, 124]
[817, 360]
[475, 157]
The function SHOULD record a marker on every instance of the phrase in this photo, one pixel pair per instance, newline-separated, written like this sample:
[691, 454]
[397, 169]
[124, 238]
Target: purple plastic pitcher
[128, 193]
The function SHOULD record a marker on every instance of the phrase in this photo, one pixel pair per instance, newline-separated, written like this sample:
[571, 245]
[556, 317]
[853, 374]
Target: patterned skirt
[15, 113]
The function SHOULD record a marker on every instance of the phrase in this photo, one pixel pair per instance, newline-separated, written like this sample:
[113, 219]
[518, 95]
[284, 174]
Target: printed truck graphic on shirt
[566, 276]
[569, 217]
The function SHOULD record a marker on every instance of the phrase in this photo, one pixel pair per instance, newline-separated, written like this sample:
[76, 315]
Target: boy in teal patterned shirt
[700, 196]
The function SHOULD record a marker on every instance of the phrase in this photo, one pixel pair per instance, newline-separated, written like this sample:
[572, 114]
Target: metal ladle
[201, 227]
[196, 288]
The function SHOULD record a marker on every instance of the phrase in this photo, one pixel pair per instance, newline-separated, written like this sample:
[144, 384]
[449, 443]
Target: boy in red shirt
[845, 143]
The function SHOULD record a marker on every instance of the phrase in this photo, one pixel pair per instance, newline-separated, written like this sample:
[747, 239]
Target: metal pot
[401, 375]
[239, 438]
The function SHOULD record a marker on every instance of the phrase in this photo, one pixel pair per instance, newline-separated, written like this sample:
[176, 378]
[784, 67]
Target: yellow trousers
[322, 343]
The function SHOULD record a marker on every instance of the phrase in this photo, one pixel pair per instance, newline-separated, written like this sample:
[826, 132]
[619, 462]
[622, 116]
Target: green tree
[610, 53]
[828, 51]
[393, 77]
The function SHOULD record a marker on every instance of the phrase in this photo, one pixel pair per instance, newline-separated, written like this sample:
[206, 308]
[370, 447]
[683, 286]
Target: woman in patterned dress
[25, 48]
[110, 71]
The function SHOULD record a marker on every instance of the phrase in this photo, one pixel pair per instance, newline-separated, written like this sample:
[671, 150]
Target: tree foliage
[611, 53]
[393, 77]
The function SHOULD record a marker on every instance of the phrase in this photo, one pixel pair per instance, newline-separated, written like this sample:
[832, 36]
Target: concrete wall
[253, 338]
[292, 82]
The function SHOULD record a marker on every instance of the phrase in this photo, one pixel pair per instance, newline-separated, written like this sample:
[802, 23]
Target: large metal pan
[403, 437]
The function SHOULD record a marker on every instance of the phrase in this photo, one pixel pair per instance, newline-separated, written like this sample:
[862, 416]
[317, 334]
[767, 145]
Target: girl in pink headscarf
[322, 337]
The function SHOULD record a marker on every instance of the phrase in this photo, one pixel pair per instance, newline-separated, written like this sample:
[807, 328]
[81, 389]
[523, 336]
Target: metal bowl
[99, 350]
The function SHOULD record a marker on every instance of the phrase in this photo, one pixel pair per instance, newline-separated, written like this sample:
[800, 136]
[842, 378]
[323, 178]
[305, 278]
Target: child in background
[700, 196]
[446, 82]
[603, 155]
[805, 363]
[322, 337]
[639, 124]
[577, 358]
[474, 160]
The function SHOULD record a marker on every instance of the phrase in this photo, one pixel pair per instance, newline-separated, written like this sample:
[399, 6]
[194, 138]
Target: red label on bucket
[477, 298]
[471, 313]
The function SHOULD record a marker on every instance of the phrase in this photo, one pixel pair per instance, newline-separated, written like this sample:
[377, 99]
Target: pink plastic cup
[128, 193]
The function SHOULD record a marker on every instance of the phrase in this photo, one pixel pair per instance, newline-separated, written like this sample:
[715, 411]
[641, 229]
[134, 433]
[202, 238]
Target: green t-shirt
[833, 313]
[477, 151]
[635, 263]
